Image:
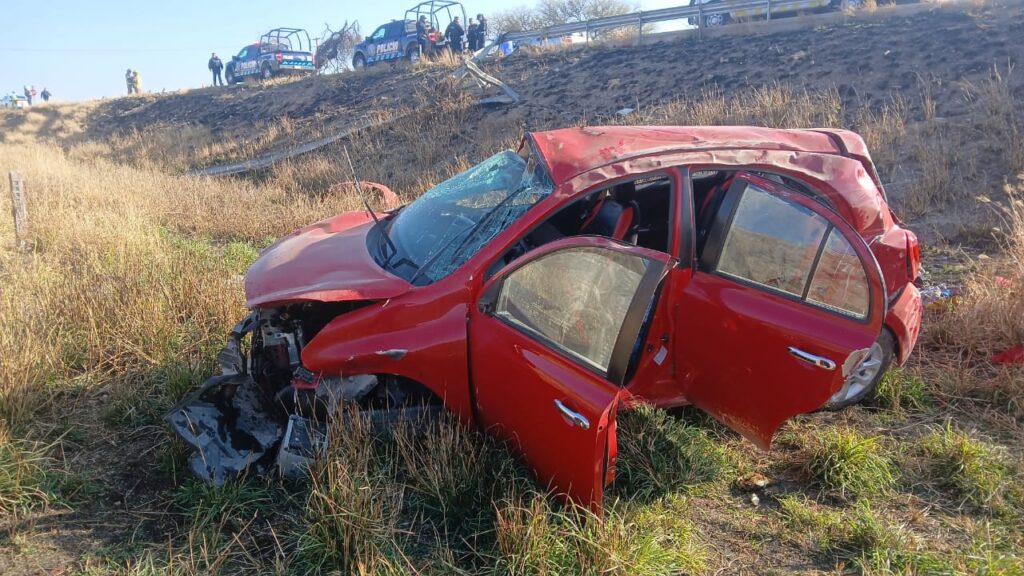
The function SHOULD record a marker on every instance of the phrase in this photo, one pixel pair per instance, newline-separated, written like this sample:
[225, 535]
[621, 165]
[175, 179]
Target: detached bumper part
[227, 426]
[304, 440]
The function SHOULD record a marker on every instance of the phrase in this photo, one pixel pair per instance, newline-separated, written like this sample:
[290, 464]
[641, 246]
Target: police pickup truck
[280, 51]
[396, 40]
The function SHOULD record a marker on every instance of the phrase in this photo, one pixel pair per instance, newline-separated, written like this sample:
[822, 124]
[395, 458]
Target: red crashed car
[755, 273]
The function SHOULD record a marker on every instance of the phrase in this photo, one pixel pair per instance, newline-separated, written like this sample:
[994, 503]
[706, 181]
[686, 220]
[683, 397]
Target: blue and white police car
[280, 51]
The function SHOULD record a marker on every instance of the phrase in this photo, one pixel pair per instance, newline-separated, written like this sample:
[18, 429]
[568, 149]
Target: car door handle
[575, 417]
[819, 361]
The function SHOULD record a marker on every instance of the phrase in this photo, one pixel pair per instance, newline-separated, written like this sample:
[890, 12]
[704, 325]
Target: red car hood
[327, 261]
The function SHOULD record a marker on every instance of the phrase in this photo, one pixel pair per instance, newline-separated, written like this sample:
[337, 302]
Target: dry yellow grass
[134, 280]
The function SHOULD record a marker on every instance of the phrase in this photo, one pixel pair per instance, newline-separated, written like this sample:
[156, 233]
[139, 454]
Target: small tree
[334, 52]
[518, 19]
[554, 12]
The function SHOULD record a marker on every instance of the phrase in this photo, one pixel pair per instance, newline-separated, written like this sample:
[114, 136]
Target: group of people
[28, 95]
[459, 38]
[134, 81]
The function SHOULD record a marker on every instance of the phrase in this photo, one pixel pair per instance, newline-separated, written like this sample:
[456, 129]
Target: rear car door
[786, 300]
[551, 340]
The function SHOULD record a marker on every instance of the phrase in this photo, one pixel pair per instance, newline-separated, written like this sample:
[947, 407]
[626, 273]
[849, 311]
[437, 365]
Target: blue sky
[79, 49]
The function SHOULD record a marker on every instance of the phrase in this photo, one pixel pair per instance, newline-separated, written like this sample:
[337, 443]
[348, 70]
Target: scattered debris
[752, 481]
[1013, 355]
[939, 296]
[483, 80]
[754, 499]
[625, 111]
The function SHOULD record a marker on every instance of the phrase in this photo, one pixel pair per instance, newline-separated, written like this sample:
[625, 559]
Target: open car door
[551, 339]
[786, 301]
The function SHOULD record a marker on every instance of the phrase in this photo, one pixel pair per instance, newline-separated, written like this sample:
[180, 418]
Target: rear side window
[839, 281]
[575, 299]
[786, 247]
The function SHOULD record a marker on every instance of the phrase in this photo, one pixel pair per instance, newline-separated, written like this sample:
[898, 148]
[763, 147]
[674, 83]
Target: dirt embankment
[865, 59]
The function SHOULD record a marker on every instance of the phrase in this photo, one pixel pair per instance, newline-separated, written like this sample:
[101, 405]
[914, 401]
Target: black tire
[887, 346]
[229, 76]
[412, 54]
[358, 62]
[266, 72]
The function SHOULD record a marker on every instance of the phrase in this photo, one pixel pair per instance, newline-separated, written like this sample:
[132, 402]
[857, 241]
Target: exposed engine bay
[267, 410]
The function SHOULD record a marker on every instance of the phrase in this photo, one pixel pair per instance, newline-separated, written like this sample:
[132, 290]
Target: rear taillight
[913, 256]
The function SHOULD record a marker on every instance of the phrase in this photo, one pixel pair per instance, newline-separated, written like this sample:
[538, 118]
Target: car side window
[378, 35]
[786, 247]
[840, 282]
[243, 53]
[574, 299]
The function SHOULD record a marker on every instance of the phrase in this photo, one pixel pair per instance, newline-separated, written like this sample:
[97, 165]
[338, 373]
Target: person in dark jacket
[422, 35]
[45, 94]
[215, 66]
[455, 34]
[481, 31]
[471, 34]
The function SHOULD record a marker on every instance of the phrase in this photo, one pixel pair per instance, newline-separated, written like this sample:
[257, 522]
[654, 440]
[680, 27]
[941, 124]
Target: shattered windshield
[431, 237]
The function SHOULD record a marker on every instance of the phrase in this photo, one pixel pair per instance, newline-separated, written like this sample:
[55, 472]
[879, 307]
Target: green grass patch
[454, 474]
[219, 511]
[875, 546]
[971, 469]
[533, 536]
[660, 454]
[143, 400]
[901, 391]
[846, 463]
[27, 478]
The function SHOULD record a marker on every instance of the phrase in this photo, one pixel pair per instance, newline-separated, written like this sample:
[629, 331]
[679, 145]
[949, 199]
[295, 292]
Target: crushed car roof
[837, 160]
[572, 151]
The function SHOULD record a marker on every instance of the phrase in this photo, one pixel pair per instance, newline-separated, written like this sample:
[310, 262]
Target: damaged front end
[266, 410]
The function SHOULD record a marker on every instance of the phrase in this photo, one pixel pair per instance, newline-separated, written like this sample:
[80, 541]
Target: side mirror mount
[489, 300]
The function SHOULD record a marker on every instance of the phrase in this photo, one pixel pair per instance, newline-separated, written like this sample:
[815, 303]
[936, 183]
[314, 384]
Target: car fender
[420, 335]
[904, 319]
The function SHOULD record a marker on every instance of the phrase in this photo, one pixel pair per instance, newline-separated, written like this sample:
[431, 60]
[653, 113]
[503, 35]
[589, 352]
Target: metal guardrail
[642, 18]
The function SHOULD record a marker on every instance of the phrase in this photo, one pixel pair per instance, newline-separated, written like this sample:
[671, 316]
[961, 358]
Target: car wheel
[716, 20]
[266, 72]
[412, 54]
[358, 62]
[863, 380]
[229, 75]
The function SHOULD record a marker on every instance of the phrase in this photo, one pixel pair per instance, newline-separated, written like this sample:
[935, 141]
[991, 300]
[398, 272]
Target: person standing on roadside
[45, 94]
[481, 31]
[216, 66]
[129, 81]
[422, 34]
[28, 95]
[137, 81]
[455, 34]
[471, 33]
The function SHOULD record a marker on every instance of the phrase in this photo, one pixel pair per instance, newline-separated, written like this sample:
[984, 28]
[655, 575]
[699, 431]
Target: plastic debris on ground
[1013, 355]
[939, 296]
